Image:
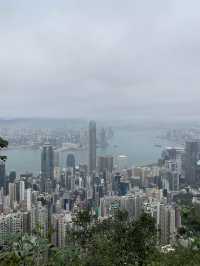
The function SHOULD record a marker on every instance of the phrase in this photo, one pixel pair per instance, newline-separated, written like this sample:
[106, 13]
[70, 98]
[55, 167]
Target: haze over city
[107, 59]
[99, 133]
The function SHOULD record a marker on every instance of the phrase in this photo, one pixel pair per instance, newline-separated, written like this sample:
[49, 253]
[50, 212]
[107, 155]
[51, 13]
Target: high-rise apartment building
[10, 224]
[92, 147]
[133, 204]
[60, 223]
[39, 219]
[169, 222]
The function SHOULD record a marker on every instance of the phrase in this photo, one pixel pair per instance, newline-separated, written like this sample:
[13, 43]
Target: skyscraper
[92, 147]
[192, 162]
[71, 162]
[47, 162]
[168, 227]
[21, 190]
[47, 168]
[2, 173]
[122, 162]
[105, 163]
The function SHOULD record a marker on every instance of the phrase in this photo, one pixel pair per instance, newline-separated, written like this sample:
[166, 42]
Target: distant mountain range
[43, 123]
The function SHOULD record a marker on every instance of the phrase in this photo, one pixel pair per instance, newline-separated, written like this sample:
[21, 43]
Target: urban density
[99, 133]
[104, 185]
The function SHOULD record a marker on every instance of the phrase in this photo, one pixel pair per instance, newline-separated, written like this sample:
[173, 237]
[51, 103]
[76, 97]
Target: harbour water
[138, 145]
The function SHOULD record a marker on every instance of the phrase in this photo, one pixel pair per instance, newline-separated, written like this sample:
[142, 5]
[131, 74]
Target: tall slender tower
[2, 173]
[192, 162]
[92, 147]
[47, 162]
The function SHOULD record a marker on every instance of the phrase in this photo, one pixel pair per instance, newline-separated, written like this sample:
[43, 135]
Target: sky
[107, 59]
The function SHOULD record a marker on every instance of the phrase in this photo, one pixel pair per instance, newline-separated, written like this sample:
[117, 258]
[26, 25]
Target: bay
[138, 145]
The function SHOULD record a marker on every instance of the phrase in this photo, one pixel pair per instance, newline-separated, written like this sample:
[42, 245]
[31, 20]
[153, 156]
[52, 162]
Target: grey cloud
[99, 58]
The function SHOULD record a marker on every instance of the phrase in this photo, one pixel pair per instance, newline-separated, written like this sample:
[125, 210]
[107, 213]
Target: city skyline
[99, 132]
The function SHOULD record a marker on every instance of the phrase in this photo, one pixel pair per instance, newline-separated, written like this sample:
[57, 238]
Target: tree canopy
[3, 144]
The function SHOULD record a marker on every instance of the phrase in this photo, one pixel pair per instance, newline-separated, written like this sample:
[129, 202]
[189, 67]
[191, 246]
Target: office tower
[122, 162]
[12, 194]
[27, 198]
[170, 175]
[70, 161]
[47, 161]
[116, 184]
[92, 147]
[66, 179]
[12, 176]
[170, 180]
[2, 173]
[47, 167]
[172, 168]
[105, 163]
[124, 187]
[103, 140]
[57, 174]
[83, 138]
[192, 162]
[21, 190]
[172, 153]
[1, 200]
[56, 158]
[26, 222]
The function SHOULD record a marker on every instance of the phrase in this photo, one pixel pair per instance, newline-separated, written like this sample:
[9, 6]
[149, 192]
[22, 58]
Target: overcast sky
[99, 58]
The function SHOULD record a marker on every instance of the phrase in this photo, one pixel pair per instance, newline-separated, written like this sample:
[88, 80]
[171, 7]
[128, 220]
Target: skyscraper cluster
[106, 184]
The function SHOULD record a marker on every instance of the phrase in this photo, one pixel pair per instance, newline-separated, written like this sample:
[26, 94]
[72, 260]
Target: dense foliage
[115, 241]
[3, 144]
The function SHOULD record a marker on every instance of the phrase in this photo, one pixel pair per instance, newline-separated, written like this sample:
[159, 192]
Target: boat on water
[158, 145]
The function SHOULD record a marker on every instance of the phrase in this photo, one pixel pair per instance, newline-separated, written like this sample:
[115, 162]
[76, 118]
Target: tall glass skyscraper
[192, 162]
[2, 173]
[47, 162]
[92, 147]
[71, 162]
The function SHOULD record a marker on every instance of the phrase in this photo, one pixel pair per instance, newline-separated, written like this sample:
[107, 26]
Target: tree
[3, 144]
[114, 241]
[25, 250]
